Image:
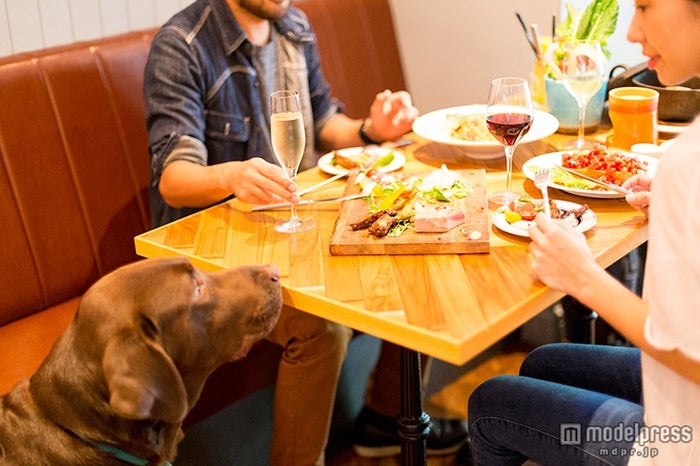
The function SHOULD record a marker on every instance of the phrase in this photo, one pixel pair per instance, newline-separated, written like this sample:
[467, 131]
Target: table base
[414, 424]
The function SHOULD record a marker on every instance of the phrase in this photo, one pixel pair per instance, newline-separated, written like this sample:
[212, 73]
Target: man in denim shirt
[207, 82]
[207, 87]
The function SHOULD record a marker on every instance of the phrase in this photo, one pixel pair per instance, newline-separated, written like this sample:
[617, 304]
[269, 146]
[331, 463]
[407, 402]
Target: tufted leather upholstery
[73, 194]
[74, 175]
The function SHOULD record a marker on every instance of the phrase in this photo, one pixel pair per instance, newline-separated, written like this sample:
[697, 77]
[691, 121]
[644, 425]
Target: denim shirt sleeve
[324, 105]
[172, 90]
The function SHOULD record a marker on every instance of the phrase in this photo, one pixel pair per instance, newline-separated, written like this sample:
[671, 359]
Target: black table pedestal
[413, 422]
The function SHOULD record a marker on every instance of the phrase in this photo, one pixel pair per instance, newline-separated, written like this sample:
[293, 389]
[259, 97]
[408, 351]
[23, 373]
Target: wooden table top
[450, 306]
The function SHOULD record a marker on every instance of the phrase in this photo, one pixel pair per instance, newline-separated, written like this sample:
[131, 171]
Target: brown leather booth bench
[74, 176]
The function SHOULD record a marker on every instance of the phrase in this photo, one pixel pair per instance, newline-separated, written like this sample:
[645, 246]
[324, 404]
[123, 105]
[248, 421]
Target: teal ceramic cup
[563, 106]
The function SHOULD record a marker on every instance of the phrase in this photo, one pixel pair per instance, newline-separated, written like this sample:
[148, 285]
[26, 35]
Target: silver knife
[282, 205]
[612, 186]
[323, 183]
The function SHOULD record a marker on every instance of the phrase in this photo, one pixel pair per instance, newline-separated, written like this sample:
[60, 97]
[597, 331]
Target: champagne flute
[509, 116]
[583, 70]
[288, 141]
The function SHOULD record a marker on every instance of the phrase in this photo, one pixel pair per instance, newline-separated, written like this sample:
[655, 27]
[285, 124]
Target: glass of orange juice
[633, 114]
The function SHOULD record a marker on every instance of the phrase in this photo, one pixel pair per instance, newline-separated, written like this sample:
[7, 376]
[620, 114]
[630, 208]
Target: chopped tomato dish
[612, 167]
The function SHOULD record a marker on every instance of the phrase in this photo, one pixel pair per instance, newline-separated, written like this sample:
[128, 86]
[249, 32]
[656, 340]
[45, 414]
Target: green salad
[405, 196]
[569, 180]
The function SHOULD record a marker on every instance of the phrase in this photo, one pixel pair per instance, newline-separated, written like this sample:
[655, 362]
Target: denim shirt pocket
[227, 126]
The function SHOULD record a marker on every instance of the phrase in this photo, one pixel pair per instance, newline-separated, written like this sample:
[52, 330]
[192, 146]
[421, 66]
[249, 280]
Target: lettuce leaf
[566, 28]
[597, 22]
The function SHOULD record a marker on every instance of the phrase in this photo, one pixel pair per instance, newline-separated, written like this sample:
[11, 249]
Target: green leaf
[599, 20]
[565, 29]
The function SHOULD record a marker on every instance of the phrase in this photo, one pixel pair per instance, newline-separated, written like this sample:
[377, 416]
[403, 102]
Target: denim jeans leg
[613, 370]
[512, 418]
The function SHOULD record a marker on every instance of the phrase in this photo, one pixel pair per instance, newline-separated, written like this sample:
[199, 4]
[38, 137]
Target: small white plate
[436, 127]
[671, 128]
[587, 221]
[325, 163]
[554, 158]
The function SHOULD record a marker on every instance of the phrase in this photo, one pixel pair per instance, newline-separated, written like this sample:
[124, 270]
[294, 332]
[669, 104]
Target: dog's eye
[198, 285]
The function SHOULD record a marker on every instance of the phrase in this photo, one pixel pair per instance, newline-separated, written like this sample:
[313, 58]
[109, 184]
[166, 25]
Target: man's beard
[263, 9]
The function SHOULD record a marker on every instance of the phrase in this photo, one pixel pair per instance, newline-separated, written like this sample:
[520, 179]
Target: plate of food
[442, 211]
[608, 165]
[517, 218]
[670, 128]
[465, 126]
[341, 161]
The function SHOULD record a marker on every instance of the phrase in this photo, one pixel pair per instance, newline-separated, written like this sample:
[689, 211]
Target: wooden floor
[449, 402]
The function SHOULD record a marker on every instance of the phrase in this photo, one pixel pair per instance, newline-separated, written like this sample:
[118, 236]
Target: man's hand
[391, 115]
[256, 181]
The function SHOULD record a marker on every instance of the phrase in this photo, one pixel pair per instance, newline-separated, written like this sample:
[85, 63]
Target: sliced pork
[437, 218]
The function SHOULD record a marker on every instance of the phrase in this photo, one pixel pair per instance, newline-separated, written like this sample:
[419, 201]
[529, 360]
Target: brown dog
[118, 383]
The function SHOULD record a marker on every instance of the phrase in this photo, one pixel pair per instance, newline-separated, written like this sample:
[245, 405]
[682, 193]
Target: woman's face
[668, 32]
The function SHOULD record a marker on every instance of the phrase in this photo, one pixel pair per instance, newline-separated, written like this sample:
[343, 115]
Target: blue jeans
[562, 389]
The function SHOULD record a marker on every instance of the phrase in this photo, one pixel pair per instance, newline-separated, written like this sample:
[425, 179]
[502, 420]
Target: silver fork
[542, 182]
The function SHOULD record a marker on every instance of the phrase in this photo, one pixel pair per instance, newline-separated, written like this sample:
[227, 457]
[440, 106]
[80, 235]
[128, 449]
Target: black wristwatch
[365, 138]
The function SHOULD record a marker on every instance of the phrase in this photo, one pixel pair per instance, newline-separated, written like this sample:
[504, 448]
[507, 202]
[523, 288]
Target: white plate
[325, 163]
[671, 128]
[554, 158]
[587, 221]
[435, 127]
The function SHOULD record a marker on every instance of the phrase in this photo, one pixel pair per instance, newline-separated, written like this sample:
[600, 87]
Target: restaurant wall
[450, 49]
[35, 24]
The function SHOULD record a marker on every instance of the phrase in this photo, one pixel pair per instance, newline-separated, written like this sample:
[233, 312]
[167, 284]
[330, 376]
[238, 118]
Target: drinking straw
[535, 34]
[527, 33]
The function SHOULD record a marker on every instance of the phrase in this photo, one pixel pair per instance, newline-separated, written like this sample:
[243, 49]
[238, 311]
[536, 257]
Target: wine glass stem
[509, 150]
[581, 125]
[293, 217]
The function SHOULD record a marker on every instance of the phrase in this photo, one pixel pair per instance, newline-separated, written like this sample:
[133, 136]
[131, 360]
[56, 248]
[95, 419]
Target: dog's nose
[274, 272]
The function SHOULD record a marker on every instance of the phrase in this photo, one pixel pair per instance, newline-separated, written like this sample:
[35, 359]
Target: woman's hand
[560, 256]
[640, 197]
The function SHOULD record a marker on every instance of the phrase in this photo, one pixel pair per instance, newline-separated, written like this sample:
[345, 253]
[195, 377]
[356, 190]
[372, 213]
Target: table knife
[282, 205]
[322, 183]
[612, 186]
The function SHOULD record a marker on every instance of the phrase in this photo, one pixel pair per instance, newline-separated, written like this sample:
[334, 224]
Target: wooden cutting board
[470, 237]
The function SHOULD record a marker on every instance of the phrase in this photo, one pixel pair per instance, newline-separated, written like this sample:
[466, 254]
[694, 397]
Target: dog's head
[162, 326]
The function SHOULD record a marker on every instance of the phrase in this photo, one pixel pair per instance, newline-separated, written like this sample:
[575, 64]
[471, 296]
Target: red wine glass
[509, 116]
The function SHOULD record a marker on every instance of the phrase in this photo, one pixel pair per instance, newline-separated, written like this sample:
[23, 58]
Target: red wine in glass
[509, 116]
[509, 128]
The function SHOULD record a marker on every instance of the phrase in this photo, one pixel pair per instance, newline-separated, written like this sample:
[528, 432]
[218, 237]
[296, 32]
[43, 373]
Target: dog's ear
[143, 381]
